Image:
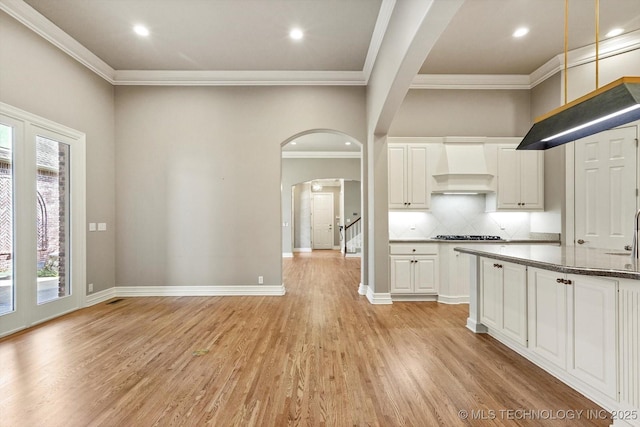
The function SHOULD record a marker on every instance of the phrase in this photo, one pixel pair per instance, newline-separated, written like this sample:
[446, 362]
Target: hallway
[320, 355]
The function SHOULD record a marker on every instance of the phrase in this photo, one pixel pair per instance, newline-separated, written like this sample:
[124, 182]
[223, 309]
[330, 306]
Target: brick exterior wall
[52, 183]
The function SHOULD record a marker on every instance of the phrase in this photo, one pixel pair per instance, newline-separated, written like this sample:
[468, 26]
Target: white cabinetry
[413, 269]
[572, 324]
[408, 187]
[520, 180]
[503, 303]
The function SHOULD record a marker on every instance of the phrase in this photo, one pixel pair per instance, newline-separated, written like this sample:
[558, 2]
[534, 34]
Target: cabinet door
[491, 294]
[531, 179]
[425, 275]
[401, 277]
[547, 314]
[418, 196]
[397, 176]
[514, 298]
[508, 178]
[592, 332]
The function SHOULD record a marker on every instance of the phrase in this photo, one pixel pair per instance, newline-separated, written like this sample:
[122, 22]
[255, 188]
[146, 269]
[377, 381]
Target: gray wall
[199, 177]
[352, 201]
[463, 113]
[545, 97]
[39, 78]
[296, 171]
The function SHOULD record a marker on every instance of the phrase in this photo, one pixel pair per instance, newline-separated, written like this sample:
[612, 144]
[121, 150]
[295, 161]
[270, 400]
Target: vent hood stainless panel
[462, 167]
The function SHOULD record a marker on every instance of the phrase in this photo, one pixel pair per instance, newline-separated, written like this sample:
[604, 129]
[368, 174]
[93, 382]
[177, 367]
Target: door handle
[627, 247]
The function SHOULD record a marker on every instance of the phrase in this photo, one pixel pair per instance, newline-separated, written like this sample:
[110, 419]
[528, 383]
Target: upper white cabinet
[520, 180]
[408, 175]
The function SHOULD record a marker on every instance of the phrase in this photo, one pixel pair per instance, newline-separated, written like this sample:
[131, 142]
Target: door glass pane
[52, 158]
[7, 283]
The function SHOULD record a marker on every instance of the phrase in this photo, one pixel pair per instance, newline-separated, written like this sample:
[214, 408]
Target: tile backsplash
[459, 214]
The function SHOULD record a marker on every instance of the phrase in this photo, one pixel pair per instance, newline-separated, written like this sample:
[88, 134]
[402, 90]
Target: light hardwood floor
[320, 355]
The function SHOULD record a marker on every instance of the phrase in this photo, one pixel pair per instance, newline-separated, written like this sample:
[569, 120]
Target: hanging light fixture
[612, 105]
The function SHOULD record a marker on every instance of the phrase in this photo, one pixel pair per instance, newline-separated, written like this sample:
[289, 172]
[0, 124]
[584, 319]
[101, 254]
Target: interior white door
[605, 188]
[322, 220]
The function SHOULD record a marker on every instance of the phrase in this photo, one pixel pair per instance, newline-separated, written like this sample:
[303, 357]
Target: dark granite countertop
[564, 259]
[482, 242]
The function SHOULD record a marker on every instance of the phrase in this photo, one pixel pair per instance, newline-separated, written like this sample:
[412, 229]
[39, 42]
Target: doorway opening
[321, 193]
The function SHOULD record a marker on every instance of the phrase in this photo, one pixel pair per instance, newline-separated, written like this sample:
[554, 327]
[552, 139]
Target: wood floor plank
[321, 355]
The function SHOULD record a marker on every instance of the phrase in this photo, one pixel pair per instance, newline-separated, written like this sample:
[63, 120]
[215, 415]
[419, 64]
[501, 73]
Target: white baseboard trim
[378, 299]
[356, 255]
[415, 298]
[362, 289]
[475, 327]
[287, 254]
[100, 296]
[336, 248]
[302, 249]
[446, 299]
[198, 291]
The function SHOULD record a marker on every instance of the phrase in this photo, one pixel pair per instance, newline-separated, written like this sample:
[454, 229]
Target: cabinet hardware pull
[560, 280]
[580, 242]
[627, 247]
[568, 282]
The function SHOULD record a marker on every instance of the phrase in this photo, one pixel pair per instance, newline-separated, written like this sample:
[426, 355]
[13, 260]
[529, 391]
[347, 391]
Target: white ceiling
[246, 41]
[220, 34]
[340, 35]
[322, 142]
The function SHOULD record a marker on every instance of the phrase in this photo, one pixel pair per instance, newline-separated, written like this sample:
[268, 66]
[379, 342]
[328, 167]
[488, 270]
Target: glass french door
[42, 247]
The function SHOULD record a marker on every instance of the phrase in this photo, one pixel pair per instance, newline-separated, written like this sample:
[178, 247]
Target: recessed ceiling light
[293, 143]
[141, 30]
[347, 143]
[615, 32]
[296, 34]
[520, 32]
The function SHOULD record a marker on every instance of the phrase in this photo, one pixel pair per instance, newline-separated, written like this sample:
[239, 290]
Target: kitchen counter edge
[556, 266]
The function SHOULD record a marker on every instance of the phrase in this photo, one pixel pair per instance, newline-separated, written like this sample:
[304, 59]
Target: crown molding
[584, 55]
[321, 155]
[384, 16]
[36, 22]
[470, 81]
[238, 78]
[32, 19]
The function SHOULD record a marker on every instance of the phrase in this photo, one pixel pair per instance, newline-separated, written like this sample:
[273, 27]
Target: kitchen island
[573, 311]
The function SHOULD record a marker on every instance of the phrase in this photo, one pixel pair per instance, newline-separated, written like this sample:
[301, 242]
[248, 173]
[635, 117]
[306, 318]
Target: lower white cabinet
[548, 316]
[572, 324]
[413, 269]
[503, 302]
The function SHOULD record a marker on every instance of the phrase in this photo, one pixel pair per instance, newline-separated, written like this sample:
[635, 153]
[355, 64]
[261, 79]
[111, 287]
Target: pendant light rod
[566, 49]
[597, 43]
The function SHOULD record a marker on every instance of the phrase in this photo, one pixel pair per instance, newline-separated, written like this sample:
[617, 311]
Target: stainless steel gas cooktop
[465, 237]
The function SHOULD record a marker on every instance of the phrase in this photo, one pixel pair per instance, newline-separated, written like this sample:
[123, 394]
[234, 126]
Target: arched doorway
[332, 162]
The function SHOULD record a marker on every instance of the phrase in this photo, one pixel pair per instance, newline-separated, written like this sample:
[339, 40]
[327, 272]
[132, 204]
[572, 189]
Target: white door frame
[27, 312]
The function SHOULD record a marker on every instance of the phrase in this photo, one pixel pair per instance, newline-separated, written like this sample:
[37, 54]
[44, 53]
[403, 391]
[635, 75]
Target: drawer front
[413, 249]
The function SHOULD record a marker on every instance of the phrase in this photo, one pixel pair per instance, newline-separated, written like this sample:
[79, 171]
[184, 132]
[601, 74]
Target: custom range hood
[612, 105]
[462, 167]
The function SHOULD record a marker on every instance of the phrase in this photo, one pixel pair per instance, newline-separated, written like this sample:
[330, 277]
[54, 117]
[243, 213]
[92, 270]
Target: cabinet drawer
[413, 249]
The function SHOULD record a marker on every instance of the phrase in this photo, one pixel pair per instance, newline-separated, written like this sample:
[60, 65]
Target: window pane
[7, 283]
[52, 158]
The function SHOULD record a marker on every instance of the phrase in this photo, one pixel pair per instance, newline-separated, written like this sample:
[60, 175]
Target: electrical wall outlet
[90, 287]
[260, 280]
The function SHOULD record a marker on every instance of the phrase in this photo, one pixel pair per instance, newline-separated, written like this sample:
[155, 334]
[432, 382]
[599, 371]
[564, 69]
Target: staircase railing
[353, 237]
